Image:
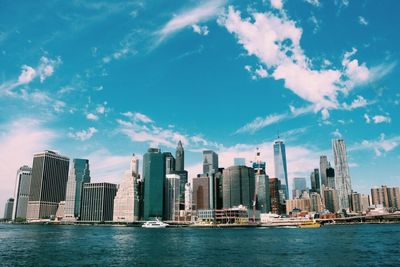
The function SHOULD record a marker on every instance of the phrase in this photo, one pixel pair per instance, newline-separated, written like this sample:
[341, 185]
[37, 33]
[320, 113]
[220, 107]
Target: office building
[183, 174]
[316, 202]
[210, 162]
[389, 197]
[169, 163]
[172, 197]
[263, 198]
[394, 197]
[323, 165]
[201, 193]
[188, 197]
[281, 167]
[180, 158]
[365, 202]
[8, 209]
[315, 185]
[98, 202]
[48, 184]
[219, 189]
[238, 186]
[303, 204]
[154, 177]
[356, 204]
[126, 201]
[239, 162]
[330, 177]
[330, 199]
[275, 196]
[342, 174]
[78, 175]
[21, 193]
[299, 185]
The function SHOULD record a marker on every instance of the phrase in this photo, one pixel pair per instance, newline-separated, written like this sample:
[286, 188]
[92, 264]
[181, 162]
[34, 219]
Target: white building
[342, 174]
[126, 201]
[172, 196]
[188, 197]
[21, 194]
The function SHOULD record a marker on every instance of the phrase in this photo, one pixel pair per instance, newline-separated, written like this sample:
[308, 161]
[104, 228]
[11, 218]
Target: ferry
[310, 224]
[155, 224]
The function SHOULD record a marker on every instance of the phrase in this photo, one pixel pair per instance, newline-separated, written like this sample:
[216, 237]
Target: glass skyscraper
[21, 194]
[78, 175]
[210, 162]
[323, 165]
[238, 186]
[280, 166]
[342, 175]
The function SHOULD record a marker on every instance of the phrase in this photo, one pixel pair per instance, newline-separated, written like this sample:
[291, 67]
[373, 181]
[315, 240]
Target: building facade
[342, 174]
[356, 203]
[48, 184]
[78, 175]
[98, 202]
[201, 192]
[281, 167]
[389, 197]
[323, 165]
[8, 209]
[330, 199]
[210, 161]
[274, 189]
[238, 186]
[172, 197]
[315, 184]
[21, 193]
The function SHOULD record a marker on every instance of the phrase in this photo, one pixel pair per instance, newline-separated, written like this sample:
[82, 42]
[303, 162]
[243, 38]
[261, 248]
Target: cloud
[92, 117]
[202, 30]
[20, 139]
[379, 146]
[315, 22]
[315, 3]
[381, 119]
[278, 4]
[362, 21]
[337, 134]
[367, 118]
[27, 74]
[83, 135]
[188, 17]
[357, 103]
[260, 122]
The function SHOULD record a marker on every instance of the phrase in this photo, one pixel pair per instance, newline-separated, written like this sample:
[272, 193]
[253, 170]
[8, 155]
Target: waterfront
[46, 245]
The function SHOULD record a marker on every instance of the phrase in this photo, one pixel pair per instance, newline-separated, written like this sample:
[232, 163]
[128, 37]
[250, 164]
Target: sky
[105, 79]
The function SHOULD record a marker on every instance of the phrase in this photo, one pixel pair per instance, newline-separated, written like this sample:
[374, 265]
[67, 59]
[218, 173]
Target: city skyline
[103, 98]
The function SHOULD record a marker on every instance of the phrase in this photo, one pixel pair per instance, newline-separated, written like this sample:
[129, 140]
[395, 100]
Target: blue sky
[103, 80]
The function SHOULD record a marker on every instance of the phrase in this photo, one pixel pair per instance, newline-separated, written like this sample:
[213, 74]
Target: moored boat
[155, 224]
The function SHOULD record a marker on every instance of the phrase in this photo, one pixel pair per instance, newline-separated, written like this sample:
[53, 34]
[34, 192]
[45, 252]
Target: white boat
[155, 224]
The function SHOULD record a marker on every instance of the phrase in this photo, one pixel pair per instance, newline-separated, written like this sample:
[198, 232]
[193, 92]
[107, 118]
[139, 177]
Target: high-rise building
[8, 209]
[303, 203]
[238, 185]
[330, 176]
[280, 166]
[219, 189]
[389, 197]
[210, 162]
[330, 198]
[201, 192]
[263, 203]
[323, 165]
[169, 163]
[78, 175]
[316, 202]
[274, 188]
[180, 158]
[342, 174]
[126, 201]
[188, 197]
[299, 185]
[98, 202]
[172, 197]
[365, 202]
[48, 184]
[21, 193]
[239, 162]
[154, 177]
[356, 204]
[394, 197]
[315, 185]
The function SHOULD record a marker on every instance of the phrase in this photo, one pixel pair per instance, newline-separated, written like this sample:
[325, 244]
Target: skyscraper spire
[180, 157]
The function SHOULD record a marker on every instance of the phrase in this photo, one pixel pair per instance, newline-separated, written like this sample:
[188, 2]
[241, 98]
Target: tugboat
[310, 224]
[155, 224]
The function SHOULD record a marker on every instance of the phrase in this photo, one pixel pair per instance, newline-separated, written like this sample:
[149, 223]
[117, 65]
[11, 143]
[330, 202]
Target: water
[340, 245]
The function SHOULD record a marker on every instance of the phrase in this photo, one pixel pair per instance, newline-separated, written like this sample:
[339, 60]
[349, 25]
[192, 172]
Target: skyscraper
[169, 163]
[180, 158]
[274, 188]
[330, 177]
[8, 209]
[172, 197]
[330, 198]
[98, 202]
[201, 193]
[126, 201]
[21, 193]
[314, 177]
[48, 184]
[323, 165]
[280, 166]
[316, 202]
[238, 185]
[299, 185]
[342, 175]
[210, 162]
[154, 177]
[78, 175]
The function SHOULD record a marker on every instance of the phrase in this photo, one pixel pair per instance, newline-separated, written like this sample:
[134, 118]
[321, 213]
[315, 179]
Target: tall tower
[179, 158]
[48, 184]
[323, 165]
[21, 194]
[154, 178]
[280, 166]
[210, 162]
[169, 163]
[342, 175]
[238, 185]
[315, 185]
[78, 175]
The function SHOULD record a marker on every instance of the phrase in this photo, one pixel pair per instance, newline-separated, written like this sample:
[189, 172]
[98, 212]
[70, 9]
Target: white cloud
[381, 119]
[278, 4]
[92, 117]
[27, 75]
[313, 2]
[200, 13]
[83, 135]
[315, 22]
[202, 30]
[367, 118]
[19, 140]
[325, 114]
[379, 146]
[362, 21]
[357, 103]
[260, 122]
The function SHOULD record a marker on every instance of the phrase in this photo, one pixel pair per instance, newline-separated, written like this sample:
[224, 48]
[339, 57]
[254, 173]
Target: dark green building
[238, 186]
[154, 178]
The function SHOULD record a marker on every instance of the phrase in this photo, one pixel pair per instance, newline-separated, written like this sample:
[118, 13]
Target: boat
[310, 224]
[155, 224]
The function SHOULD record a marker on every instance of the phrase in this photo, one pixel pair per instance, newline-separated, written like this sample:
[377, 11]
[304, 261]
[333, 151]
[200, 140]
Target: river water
[336, 245]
